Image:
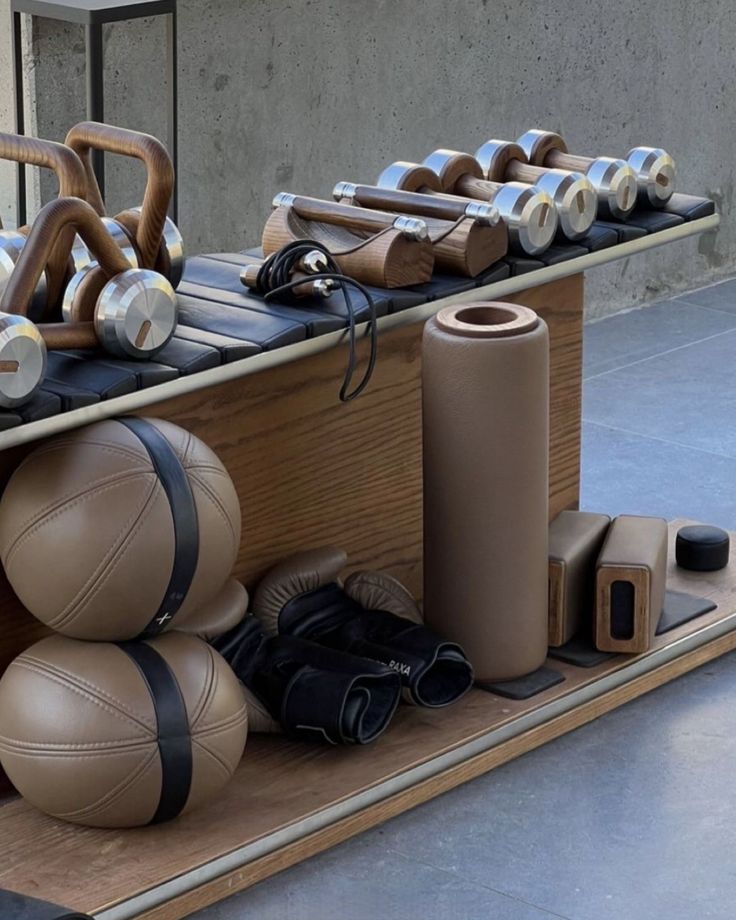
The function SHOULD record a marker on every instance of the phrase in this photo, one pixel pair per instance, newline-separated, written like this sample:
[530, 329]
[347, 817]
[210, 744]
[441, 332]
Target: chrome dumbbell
[655, 174]
[614, 180]
[147, 236]
[573, 193]
[529, 213]
[131, 312]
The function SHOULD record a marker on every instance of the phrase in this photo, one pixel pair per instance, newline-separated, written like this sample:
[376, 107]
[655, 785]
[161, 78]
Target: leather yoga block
[575, 540]
[485, 397]
[630, 584]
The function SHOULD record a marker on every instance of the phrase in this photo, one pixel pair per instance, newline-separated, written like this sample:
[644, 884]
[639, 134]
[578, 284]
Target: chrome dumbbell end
[575, 199]
[314, 262]
[283, 200]
[655, 174]
[530, 215]
[483, 213]
[22, 360]
[412, 227]
[343, 190]
[11, 246]
[615, 183]
[136, 313]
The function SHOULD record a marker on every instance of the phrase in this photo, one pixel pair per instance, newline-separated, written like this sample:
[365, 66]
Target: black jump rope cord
[273, 282]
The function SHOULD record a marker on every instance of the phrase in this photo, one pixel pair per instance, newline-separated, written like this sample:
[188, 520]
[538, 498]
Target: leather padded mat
[522, 688]
[680, 608]
[581, 652]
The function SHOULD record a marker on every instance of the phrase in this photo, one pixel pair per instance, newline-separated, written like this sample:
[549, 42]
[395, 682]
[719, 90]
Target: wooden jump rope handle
[559, 160]
[92, 135]
[49, 225]
[341, 215]
[72, 179]
[421, 205]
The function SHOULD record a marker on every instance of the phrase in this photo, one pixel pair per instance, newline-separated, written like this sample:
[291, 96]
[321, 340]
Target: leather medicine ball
[124, 528]
[120, 735]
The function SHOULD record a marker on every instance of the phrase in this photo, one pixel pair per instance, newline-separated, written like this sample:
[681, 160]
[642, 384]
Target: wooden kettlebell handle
[93, 135]
[70, 173]
[49, 225]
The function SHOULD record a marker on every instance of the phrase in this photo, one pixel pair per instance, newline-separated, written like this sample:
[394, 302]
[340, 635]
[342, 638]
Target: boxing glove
[315, 693]
[371, 615]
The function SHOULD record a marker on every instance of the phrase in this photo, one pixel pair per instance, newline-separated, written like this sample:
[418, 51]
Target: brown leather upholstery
[575, 539]
[485, 392]
[78, 729]
[86, 533]
[630, 584]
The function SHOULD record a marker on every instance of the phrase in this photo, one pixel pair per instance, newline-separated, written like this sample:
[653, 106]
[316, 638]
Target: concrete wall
[278, 95]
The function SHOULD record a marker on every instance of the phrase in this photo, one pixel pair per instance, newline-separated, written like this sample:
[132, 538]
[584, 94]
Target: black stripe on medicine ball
[175, 481]
[174, 736]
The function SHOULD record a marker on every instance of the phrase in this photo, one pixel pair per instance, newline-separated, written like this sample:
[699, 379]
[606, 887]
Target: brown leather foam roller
[575, 540]
[84, 728]
[88, 535]
[485, 380]
[630, 584]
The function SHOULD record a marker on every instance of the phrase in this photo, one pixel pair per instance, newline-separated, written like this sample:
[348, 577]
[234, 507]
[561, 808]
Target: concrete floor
[632, 817]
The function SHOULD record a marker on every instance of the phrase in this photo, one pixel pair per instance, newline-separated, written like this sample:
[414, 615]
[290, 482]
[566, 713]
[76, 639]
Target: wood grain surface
[311, 471]
[47, 858]
[386, 259]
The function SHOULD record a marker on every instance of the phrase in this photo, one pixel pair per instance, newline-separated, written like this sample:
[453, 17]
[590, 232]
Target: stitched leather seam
[112, 559]
[208, 700]
[102, 704]
[215, 728]
[206, 687]
[105, 446]
[53, 508]
[46, 749]
[59, 503]
[110, 797]
[208, 492]
[42, 666]
[79, 500]
[227, 768]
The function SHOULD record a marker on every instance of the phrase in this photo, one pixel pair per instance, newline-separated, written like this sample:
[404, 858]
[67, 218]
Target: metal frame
[93, 20]
[135, 906]
[32, 431]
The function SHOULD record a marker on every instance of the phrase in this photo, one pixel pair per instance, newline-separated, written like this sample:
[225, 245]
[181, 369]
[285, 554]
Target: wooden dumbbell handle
[470, 187]
[559, 160]
[58, 336]
[419, 204]
[70, 173]
[51, 222]
[517, 171]
[89, 135]
[341, 215]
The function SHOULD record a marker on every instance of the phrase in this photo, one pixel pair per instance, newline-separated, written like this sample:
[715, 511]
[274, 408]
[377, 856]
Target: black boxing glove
[315, 693]
[371, 615]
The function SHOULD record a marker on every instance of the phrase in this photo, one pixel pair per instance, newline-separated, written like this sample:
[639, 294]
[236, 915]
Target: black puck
[701, 548]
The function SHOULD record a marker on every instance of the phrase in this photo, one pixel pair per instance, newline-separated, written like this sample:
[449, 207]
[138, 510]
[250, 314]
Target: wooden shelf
[289, 800]
[228, 373]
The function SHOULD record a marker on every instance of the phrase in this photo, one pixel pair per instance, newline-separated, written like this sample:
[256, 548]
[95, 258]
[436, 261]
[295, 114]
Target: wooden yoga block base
[265, 821]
